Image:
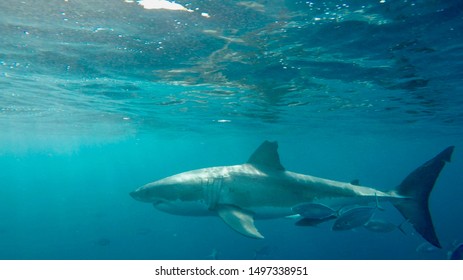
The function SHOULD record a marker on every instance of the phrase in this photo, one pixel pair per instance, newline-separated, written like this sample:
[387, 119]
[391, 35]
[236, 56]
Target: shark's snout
[136, 195]
[142, 194]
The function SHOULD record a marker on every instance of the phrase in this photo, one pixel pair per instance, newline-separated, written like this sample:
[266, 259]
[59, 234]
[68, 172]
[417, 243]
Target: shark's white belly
[184, 208]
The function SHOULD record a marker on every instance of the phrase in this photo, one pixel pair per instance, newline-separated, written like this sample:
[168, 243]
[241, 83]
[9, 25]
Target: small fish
[457, 253]
[262, 252]
[214, 254]
[426, 247]
[383, 226]
[354, 217]
[380, 226]
[143, 231]
[311, 222]
[102, 242]
[314, 211]
[293, 217]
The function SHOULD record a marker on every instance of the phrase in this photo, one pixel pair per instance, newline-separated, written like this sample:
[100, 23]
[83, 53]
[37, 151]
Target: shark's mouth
[140, 196]
[158, 202]
[134, 195]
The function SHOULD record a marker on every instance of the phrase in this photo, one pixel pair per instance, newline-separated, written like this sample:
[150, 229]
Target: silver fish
[457, 253]
[310, 222]
[262, 252]
[382, 226]
[314, 211]
[354, 217]
[214, 254]
[426, 247]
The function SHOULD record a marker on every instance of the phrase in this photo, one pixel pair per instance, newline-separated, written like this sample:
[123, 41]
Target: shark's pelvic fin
[239, 220]
[266, 155]
[417, 186]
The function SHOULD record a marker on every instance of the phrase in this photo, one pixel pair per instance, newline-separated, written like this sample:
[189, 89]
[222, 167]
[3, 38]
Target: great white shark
[261, 188]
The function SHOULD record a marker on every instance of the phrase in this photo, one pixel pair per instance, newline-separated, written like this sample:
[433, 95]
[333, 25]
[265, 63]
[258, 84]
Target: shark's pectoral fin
[239, 220]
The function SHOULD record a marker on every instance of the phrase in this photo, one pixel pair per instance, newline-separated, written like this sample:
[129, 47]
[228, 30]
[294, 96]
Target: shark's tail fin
[416, 187]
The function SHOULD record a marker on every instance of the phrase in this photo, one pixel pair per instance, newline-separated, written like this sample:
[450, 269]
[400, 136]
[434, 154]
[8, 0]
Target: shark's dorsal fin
[239, 220]
[266, 155]
[355, 182]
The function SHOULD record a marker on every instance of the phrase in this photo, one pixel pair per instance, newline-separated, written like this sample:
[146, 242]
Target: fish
[262, 188]
[312, 222]
[314, 211]
[214, 254]
[353, 218]
[143, 231]
[103, 242]
[425, 247]
[262, 252]
[457, 253]
[382, 226]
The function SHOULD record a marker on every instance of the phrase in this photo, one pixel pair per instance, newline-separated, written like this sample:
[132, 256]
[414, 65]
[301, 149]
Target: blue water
[100, 97]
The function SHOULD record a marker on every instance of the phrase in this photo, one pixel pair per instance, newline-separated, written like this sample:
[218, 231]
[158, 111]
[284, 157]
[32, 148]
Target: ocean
[98, 98]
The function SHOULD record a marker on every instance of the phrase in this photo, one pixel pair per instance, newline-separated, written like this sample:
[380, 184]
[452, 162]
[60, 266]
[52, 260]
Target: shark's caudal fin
[417, 186]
